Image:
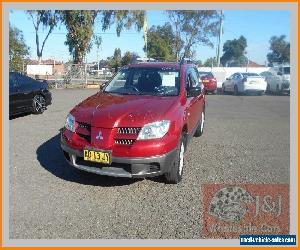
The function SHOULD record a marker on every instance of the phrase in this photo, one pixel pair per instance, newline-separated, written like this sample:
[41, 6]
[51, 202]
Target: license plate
[205, 81]
[97, 156]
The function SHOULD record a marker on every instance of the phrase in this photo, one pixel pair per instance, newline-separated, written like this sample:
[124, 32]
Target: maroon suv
[139, 124]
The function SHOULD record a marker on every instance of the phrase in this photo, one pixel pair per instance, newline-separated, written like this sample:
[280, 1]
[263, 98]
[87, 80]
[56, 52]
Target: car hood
[105, 110]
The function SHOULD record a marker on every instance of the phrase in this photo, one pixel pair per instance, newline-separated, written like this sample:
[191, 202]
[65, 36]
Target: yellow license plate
[96, 156]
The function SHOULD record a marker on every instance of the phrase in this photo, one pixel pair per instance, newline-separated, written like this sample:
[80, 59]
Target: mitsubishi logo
[99, 136]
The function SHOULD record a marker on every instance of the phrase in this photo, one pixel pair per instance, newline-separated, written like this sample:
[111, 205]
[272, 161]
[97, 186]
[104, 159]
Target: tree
[43, 19]
[122, 19]
[80, 27]
[234, 52]
[115, 61]
[192, 28]
[280, 50]
[161, 41]
[129, 58]
[18, 50]
[210, 62]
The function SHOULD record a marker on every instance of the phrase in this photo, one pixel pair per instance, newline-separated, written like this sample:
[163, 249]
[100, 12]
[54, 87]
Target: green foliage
[210, 62]
[80, 26]
[280, 50]
[116, 60]
[129, 58]
[234, 52]
[161, 41]
[18, 50]
[43, 19]
[192, 27]
[123, 19]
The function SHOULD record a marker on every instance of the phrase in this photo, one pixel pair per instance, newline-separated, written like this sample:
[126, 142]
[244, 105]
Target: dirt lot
[246, 140]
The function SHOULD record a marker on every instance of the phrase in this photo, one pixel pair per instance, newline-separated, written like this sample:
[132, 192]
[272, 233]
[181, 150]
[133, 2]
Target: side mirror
[227, 79]
[194, 91]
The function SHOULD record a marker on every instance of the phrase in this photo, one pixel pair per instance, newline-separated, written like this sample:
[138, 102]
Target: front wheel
[200, 128]
[174, 176]
[39, 104]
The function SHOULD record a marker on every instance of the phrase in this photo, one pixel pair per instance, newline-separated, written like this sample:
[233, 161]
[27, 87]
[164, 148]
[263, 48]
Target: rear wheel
[39, 104]
[236, 91]
[174, 176]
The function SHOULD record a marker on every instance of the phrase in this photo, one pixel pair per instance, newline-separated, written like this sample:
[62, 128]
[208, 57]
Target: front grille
[124, 141]
[84, 125]
[84, 131]
[125, 130]
[86, 137]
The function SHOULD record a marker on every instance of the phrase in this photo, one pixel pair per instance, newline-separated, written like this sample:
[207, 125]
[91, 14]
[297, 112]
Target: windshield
[145, 81]
[286, 70]
[250, 75]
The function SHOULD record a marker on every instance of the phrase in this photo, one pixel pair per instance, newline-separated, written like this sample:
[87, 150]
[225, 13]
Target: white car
[278, 79]
[240, 83]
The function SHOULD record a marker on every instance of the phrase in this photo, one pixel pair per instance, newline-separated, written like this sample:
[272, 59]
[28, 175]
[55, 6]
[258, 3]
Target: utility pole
[220, 39]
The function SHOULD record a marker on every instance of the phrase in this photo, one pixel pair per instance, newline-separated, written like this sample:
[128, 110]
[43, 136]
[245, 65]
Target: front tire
[174, 176]
[200, 128]
[39, 104]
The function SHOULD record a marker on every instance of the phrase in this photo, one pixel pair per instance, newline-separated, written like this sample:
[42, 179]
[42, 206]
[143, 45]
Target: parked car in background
[278, 80]
[139, 125]
[27, 95]
[209, 82]
[241, 83]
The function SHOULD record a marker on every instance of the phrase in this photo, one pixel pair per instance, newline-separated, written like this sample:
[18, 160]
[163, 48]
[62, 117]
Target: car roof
[159, 65]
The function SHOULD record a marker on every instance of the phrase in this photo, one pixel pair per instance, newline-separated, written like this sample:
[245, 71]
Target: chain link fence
[76, 76]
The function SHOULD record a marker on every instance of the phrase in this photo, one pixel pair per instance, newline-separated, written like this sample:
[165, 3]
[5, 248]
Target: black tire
[174, 176]
[268, 90]
[223, 89]
[236, 91]
[278, 92]
[200, 128]
[38, 104]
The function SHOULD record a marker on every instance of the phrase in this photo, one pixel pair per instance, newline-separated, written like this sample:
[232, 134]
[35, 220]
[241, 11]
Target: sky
[257, 26]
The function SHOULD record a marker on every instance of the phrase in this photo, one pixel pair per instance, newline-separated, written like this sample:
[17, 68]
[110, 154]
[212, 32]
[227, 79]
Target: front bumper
[137, 167]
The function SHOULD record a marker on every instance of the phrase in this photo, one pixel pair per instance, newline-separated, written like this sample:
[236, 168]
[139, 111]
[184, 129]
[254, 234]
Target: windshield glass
[250, 75]
[145, 81]
[286, 70]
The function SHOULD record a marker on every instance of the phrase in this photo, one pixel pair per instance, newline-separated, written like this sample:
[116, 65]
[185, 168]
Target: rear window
[286, 70]
[250, 75]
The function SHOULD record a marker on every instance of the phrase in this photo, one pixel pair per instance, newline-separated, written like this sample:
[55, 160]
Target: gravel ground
[246, 140]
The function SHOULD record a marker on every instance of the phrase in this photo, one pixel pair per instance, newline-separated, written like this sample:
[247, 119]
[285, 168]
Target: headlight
[154, 130]
[70, 123]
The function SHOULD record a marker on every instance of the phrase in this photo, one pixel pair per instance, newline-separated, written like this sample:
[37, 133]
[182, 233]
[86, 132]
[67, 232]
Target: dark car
[27, 95]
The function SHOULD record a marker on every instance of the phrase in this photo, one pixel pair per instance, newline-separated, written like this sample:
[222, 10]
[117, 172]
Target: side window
[195, 81]
[13, 82]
